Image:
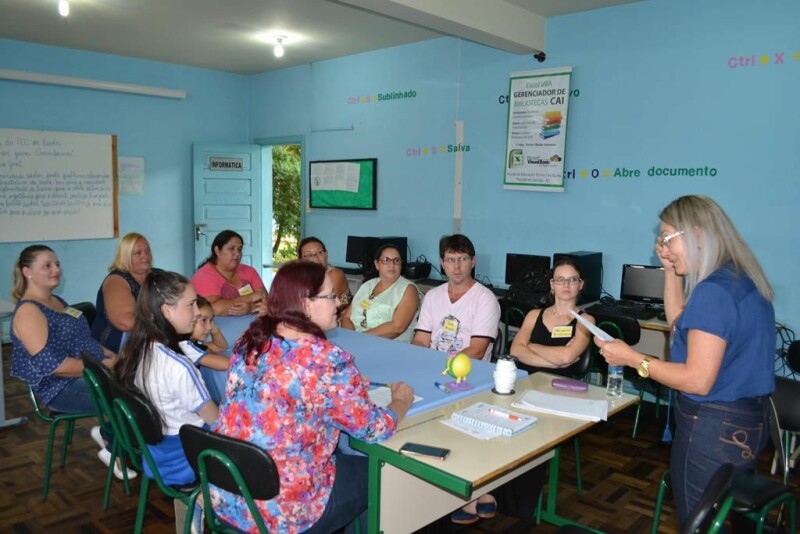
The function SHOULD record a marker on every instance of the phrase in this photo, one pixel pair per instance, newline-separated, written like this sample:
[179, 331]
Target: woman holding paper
[292, 392]
[718, 301]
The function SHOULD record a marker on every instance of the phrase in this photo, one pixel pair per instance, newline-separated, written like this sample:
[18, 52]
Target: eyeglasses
[453, 261]
[386, 260]
[332, 296]
[310, 255]
[572, 280]
[664, 241]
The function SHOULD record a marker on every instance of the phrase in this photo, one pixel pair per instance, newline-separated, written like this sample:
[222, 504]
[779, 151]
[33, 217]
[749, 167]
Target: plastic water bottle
[614, 387]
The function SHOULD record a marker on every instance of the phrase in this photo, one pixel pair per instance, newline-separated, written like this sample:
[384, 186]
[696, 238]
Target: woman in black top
[550, 339]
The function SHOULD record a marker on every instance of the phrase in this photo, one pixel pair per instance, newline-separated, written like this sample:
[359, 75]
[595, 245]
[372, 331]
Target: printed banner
[537, 130]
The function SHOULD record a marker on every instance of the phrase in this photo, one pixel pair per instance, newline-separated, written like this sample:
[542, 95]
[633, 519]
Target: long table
[399, 484]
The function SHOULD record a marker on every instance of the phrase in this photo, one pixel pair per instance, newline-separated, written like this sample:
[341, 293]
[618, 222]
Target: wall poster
[537, 130]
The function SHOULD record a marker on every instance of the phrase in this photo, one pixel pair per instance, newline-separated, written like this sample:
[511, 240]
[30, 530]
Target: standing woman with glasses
[312, 249]
[387, 305]
[550, 339]
[722, 348]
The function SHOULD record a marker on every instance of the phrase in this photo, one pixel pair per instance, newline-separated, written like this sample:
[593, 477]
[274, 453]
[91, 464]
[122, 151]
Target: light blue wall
[160, 130]
[656, 89]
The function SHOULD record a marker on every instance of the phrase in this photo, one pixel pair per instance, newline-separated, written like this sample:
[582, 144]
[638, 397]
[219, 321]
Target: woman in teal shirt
[385, 306]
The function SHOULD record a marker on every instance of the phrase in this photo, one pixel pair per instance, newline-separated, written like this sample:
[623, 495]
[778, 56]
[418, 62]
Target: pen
[510, 416]
[442, 387]
[380, 384]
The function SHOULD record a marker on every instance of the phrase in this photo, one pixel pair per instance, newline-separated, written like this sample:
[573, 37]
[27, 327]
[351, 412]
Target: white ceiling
[222, 34]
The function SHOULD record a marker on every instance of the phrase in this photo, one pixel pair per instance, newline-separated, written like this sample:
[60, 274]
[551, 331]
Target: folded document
[567, 405]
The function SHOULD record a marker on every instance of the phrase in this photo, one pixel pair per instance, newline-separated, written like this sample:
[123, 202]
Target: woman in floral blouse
[292, 392]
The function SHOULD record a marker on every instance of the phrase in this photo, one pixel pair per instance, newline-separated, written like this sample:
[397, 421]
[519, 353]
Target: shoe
[486, 510]
[462, 517]
[105, 457]
[97, 437]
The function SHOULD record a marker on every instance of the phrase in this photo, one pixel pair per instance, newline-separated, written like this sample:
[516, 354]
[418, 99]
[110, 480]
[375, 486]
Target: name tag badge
[245, 290]
[74, 312]
[450, 326]
[366, 304]
[561, 332]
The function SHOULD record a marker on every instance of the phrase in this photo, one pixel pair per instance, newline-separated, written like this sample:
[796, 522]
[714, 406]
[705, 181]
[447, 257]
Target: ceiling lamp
[63, 8]
[278, 50]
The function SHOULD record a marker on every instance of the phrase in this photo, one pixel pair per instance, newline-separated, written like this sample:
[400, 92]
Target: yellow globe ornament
[459, 367]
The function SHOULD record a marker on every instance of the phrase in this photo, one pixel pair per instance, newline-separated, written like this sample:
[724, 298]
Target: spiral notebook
[485, 421]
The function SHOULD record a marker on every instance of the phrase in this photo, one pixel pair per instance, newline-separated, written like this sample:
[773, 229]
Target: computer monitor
[361, 250]
[518, 265]
[642, 283]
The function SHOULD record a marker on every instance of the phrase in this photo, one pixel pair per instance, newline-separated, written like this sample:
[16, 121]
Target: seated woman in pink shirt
[231, 287]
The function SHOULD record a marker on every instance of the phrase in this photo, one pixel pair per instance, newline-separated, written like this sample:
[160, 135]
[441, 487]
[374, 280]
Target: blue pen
[380, 384]
[442, 387]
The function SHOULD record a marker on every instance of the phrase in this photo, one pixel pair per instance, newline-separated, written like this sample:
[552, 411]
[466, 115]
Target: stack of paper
[564, 405]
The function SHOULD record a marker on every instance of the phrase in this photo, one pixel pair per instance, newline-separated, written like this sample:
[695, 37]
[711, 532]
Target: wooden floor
[620, 481]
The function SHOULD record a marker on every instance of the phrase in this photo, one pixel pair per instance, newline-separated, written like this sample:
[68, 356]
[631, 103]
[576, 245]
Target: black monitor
[361, 250]
[642, 283]
[518, 265]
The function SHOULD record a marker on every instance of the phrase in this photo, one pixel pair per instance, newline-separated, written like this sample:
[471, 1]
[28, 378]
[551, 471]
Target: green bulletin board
[344, 184]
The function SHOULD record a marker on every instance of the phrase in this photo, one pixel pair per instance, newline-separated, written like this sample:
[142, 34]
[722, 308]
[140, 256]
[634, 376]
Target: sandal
[462, 517]
[487, 510]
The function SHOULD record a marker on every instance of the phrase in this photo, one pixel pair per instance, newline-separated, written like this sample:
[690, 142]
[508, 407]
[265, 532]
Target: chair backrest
[139, 414]
[581, 367]
[36, 408]
[98, 378]
[793, 356]
[216, 459]
[259, 474]
[621, 327]
[715, 494]
[498, 347]
[787, 403]
[88, 310]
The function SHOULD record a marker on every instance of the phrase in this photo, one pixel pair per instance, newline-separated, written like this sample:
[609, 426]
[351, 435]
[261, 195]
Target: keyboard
[637, 311]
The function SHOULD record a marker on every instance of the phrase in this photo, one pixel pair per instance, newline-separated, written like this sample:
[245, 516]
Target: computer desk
[406, 494]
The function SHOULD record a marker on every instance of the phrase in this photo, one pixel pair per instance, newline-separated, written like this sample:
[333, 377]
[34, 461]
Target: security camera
[540, 57]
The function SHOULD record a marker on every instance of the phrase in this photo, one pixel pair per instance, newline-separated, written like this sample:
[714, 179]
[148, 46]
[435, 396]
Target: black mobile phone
[426, 451]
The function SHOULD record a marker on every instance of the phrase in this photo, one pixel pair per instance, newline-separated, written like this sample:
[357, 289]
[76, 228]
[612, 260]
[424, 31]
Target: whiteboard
[57, 185]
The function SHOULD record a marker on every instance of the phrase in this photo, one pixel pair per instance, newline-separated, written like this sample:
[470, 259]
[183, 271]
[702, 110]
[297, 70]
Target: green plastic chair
[139, 427]
[53, 419]
[215, 458]
[98, 380]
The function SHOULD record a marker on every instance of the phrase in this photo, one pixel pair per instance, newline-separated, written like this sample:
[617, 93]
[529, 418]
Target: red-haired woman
[291, 392]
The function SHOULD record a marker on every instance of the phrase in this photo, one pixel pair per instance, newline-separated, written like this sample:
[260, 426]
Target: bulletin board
[57, 185]
[344, 184]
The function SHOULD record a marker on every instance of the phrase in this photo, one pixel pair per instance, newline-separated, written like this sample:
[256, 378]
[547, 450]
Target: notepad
[566, 405]
[485, 421]
[382, 396]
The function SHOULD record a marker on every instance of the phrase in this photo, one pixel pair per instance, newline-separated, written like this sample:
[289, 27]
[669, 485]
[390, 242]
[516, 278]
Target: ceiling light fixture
[278, 50]
[63, 8]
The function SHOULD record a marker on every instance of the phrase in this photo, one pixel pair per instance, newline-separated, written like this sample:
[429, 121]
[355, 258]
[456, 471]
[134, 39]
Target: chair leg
[638, 409]
[576, 443]
[662, 489]
[69, 425]
[49, 458]
[137, 529]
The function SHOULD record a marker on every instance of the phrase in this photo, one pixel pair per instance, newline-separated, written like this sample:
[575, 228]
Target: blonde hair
[711, 241]
[122, 258]
[26, 259]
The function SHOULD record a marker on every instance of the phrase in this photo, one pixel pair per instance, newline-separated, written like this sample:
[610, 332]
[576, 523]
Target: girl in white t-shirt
[153, 364]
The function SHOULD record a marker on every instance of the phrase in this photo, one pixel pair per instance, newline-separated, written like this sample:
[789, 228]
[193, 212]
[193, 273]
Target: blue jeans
[709, 434]
[74, 398]
[348, 500]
